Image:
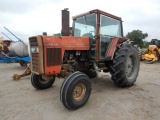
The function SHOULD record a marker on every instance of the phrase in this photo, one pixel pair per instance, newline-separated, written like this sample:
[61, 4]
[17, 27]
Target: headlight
[34, 50]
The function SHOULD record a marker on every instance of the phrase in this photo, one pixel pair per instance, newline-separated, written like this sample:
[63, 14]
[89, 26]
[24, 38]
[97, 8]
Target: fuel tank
[19, 49]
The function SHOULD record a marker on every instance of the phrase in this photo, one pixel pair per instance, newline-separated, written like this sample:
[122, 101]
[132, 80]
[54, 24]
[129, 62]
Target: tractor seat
[92, 41]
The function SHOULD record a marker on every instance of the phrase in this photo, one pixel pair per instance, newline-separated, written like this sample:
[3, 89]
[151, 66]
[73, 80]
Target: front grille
[35, 57]
[35, 61]
[33, 41]
[54, 56]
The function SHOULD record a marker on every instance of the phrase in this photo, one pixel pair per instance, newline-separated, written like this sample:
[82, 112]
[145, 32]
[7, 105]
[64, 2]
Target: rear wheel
[39, 83]
[75, 91]
[23, 63]
[125, 66]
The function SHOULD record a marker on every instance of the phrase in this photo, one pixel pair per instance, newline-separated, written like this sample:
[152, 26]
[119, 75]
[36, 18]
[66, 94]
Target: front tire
[39, 83]
[75, 91]
[125, 66]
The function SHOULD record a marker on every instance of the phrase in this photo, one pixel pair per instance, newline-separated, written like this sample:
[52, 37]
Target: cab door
[109, 28]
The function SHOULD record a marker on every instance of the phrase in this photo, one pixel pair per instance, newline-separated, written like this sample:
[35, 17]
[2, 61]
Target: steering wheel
[93, 33]
[88, 35]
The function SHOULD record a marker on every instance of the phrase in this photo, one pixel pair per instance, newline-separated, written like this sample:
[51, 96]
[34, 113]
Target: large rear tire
[39, 83]
[75, 91]
[125, 66]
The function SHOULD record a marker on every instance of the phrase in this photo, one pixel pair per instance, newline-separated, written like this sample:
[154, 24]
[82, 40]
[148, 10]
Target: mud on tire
[125, 66]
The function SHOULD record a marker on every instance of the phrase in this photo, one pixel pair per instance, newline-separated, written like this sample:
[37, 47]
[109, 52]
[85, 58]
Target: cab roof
[97, 11]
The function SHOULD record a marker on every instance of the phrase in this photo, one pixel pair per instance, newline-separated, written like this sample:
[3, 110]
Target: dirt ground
[20, 101]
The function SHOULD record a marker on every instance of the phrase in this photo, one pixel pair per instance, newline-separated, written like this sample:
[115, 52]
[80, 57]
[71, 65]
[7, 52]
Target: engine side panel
[67, 42]
[55, 47]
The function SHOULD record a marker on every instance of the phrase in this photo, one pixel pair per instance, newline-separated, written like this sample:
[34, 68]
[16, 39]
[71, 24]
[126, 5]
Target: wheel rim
[43, 81]
[79, 91]
[130, 68]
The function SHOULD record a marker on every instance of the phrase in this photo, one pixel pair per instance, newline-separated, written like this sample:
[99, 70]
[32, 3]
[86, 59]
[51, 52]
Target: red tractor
[96, 43]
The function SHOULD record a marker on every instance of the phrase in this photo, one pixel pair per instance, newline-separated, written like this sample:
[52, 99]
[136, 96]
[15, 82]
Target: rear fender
[116, 42]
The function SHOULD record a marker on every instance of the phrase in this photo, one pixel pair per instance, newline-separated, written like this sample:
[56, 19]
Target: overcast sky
[27, 18]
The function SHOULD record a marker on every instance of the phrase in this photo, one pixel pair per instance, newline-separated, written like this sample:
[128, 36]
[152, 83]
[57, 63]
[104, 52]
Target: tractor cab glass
[85, 26]
[109, 28]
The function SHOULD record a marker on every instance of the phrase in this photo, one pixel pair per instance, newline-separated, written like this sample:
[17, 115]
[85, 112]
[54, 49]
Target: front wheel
[125, 66]
[39, 83]
[75, 91]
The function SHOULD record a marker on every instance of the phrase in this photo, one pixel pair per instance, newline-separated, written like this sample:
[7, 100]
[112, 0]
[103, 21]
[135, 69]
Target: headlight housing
[34, 49]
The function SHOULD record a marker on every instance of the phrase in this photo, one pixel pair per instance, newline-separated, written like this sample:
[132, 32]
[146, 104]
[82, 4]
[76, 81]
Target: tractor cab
[101, 28]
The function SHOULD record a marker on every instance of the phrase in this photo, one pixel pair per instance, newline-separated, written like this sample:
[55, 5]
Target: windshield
[85, 26]
[110, 27]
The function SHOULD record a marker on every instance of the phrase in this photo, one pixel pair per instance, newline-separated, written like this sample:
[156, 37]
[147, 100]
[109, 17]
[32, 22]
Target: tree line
[137, 36]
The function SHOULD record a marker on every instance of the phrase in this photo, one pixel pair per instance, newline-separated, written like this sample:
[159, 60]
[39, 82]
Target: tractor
[96, 44]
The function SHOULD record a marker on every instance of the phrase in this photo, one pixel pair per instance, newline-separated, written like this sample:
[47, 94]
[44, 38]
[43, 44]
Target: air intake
[54, 56]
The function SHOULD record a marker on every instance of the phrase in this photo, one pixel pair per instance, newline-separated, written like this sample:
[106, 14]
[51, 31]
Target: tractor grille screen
[54, 56]
[35, 60]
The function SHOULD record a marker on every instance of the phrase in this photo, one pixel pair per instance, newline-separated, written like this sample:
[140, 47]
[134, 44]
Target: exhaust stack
[65, 22]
